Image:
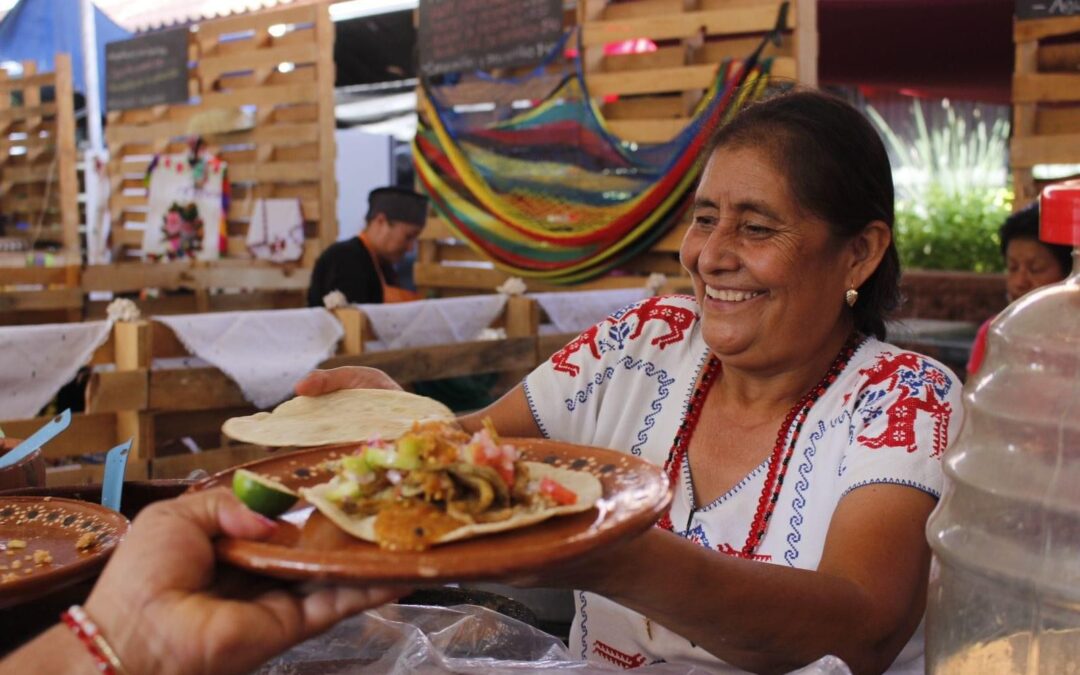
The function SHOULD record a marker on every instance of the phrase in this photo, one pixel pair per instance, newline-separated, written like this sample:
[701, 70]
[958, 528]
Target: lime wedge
[261, 494]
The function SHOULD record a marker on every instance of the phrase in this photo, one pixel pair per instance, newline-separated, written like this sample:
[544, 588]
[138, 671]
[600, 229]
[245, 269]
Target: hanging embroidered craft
[188, 199]
[276, 230]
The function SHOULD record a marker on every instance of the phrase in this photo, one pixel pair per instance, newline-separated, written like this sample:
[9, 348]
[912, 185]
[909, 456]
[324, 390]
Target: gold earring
[851, 296]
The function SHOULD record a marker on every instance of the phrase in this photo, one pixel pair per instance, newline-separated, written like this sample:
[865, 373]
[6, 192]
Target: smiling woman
[804, 451]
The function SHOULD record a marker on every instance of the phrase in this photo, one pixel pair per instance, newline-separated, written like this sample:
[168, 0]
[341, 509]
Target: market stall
[256, 136]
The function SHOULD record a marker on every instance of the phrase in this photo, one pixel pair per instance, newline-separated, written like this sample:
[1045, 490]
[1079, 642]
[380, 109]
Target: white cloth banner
[276, 230]
[265, 352]
[424, 323]
[574, 311]
[35, 361]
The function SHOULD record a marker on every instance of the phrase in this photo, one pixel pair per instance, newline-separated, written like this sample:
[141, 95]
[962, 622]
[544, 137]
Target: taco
[438, 484]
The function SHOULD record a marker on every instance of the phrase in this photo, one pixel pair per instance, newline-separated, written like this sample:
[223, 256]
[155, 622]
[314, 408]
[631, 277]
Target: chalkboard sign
[1046, 9]
[147, 71]
[462, 35]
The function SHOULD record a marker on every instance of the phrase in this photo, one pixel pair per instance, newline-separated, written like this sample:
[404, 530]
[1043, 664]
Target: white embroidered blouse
[626, 384]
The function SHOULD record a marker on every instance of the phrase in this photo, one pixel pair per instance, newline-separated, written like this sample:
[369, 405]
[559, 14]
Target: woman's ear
[867, 249]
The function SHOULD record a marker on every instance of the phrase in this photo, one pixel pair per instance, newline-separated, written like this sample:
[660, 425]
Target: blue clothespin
[113, 482]
[37, 439]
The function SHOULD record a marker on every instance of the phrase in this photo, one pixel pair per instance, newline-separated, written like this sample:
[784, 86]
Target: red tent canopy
[960, 49]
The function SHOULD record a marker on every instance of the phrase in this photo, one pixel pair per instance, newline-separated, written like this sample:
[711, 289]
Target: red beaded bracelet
[87, 631]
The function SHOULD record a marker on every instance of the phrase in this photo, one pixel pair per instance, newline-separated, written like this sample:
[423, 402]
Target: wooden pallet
[657, 91]
[39, 187]
[645, 97]
[289, 153]
[38, 182]
[1046, 100]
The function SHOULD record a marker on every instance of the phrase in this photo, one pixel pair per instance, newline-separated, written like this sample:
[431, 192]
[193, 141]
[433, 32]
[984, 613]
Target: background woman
[1029, 264]
[804, 451]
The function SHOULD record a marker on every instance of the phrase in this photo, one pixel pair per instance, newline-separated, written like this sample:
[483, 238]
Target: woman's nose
[718, 254]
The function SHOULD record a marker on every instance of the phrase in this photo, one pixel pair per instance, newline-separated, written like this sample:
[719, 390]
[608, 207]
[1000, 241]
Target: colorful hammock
[550, 192]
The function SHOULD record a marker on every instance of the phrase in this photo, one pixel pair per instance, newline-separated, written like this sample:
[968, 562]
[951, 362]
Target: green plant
[951, 193]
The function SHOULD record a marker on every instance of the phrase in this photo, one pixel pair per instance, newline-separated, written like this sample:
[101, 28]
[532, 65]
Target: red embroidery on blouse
[621, 659]
[728, 549]
[902, 414]
[561, 358]
[678, 320]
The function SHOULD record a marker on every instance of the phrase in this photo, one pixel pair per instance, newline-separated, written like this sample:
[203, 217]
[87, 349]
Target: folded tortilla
[585, 485]
[346, 416]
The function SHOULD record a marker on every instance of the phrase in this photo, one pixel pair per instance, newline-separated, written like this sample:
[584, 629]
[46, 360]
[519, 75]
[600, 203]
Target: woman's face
[770, 279]
[1029, 265]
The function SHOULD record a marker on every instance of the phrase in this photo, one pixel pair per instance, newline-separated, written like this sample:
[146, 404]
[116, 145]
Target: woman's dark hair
[838, 170]
[1024, 224]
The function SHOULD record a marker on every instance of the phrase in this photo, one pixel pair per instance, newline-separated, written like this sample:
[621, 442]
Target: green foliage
[950, 190]
[952, 232]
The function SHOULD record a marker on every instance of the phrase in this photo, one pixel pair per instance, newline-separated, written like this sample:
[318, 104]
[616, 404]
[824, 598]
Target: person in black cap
[362, 267]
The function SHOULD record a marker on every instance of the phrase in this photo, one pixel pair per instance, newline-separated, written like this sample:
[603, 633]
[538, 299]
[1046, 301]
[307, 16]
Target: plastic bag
[407, 639]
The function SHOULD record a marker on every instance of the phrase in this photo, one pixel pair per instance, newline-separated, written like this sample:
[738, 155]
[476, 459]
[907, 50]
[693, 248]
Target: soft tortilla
[585, 485]
[347, 416]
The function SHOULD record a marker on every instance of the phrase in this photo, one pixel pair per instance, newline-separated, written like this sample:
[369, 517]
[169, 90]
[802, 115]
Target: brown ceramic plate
[53, 525]
[309, 546]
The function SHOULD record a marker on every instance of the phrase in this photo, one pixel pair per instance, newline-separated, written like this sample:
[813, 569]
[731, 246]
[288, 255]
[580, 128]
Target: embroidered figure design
[678, 320]
[621, 659]
[561, 358]
[912, 375]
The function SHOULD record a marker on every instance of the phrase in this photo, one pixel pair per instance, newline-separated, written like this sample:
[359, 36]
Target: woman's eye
[756, 230]
[701, 220]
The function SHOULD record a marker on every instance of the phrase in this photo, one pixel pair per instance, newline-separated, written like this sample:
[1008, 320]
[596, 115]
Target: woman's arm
[862, 604]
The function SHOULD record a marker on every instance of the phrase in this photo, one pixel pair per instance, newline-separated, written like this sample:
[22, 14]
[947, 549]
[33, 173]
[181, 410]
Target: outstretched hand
[320, 382]
[166, 608]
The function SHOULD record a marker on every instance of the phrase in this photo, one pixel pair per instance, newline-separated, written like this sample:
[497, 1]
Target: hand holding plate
[165, 609]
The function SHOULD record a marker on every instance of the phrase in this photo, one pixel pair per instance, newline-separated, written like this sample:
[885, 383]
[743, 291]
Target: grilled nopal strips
[438, 484]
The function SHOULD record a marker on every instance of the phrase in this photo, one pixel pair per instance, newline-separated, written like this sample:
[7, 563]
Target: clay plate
[53, 525]
[309, 546]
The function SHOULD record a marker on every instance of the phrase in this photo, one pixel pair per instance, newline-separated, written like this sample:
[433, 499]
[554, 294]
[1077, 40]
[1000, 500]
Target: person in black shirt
[362, 267]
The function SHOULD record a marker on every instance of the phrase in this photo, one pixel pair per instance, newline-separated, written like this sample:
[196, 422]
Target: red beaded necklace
[781, 453]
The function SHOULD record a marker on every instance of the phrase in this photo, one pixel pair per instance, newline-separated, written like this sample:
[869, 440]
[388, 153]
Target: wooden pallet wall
[657, 91]
[646, 97]
[38, 181]
[1046, 99]
[289, 153]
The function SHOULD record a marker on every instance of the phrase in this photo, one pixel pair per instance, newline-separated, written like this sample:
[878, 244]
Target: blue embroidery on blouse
[584, 624]
[649, 369]
[534, 410]
[801, 486]
[747, 479]
[583, 395]
[696, 535]
[894, 481]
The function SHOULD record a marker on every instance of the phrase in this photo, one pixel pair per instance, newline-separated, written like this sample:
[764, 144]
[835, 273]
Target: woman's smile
[730, 296]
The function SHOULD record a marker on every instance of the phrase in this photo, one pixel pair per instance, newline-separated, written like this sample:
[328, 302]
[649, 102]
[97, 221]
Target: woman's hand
[320, 382]
[165, 608]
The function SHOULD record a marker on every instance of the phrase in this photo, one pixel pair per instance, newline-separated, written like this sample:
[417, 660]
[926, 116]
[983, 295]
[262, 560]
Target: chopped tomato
[485, 452]
[560, 494]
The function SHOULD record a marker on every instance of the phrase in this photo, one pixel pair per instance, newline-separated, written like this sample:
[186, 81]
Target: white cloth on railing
[424, 323]
[35, 361]
[265, 352]
[574, 311]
